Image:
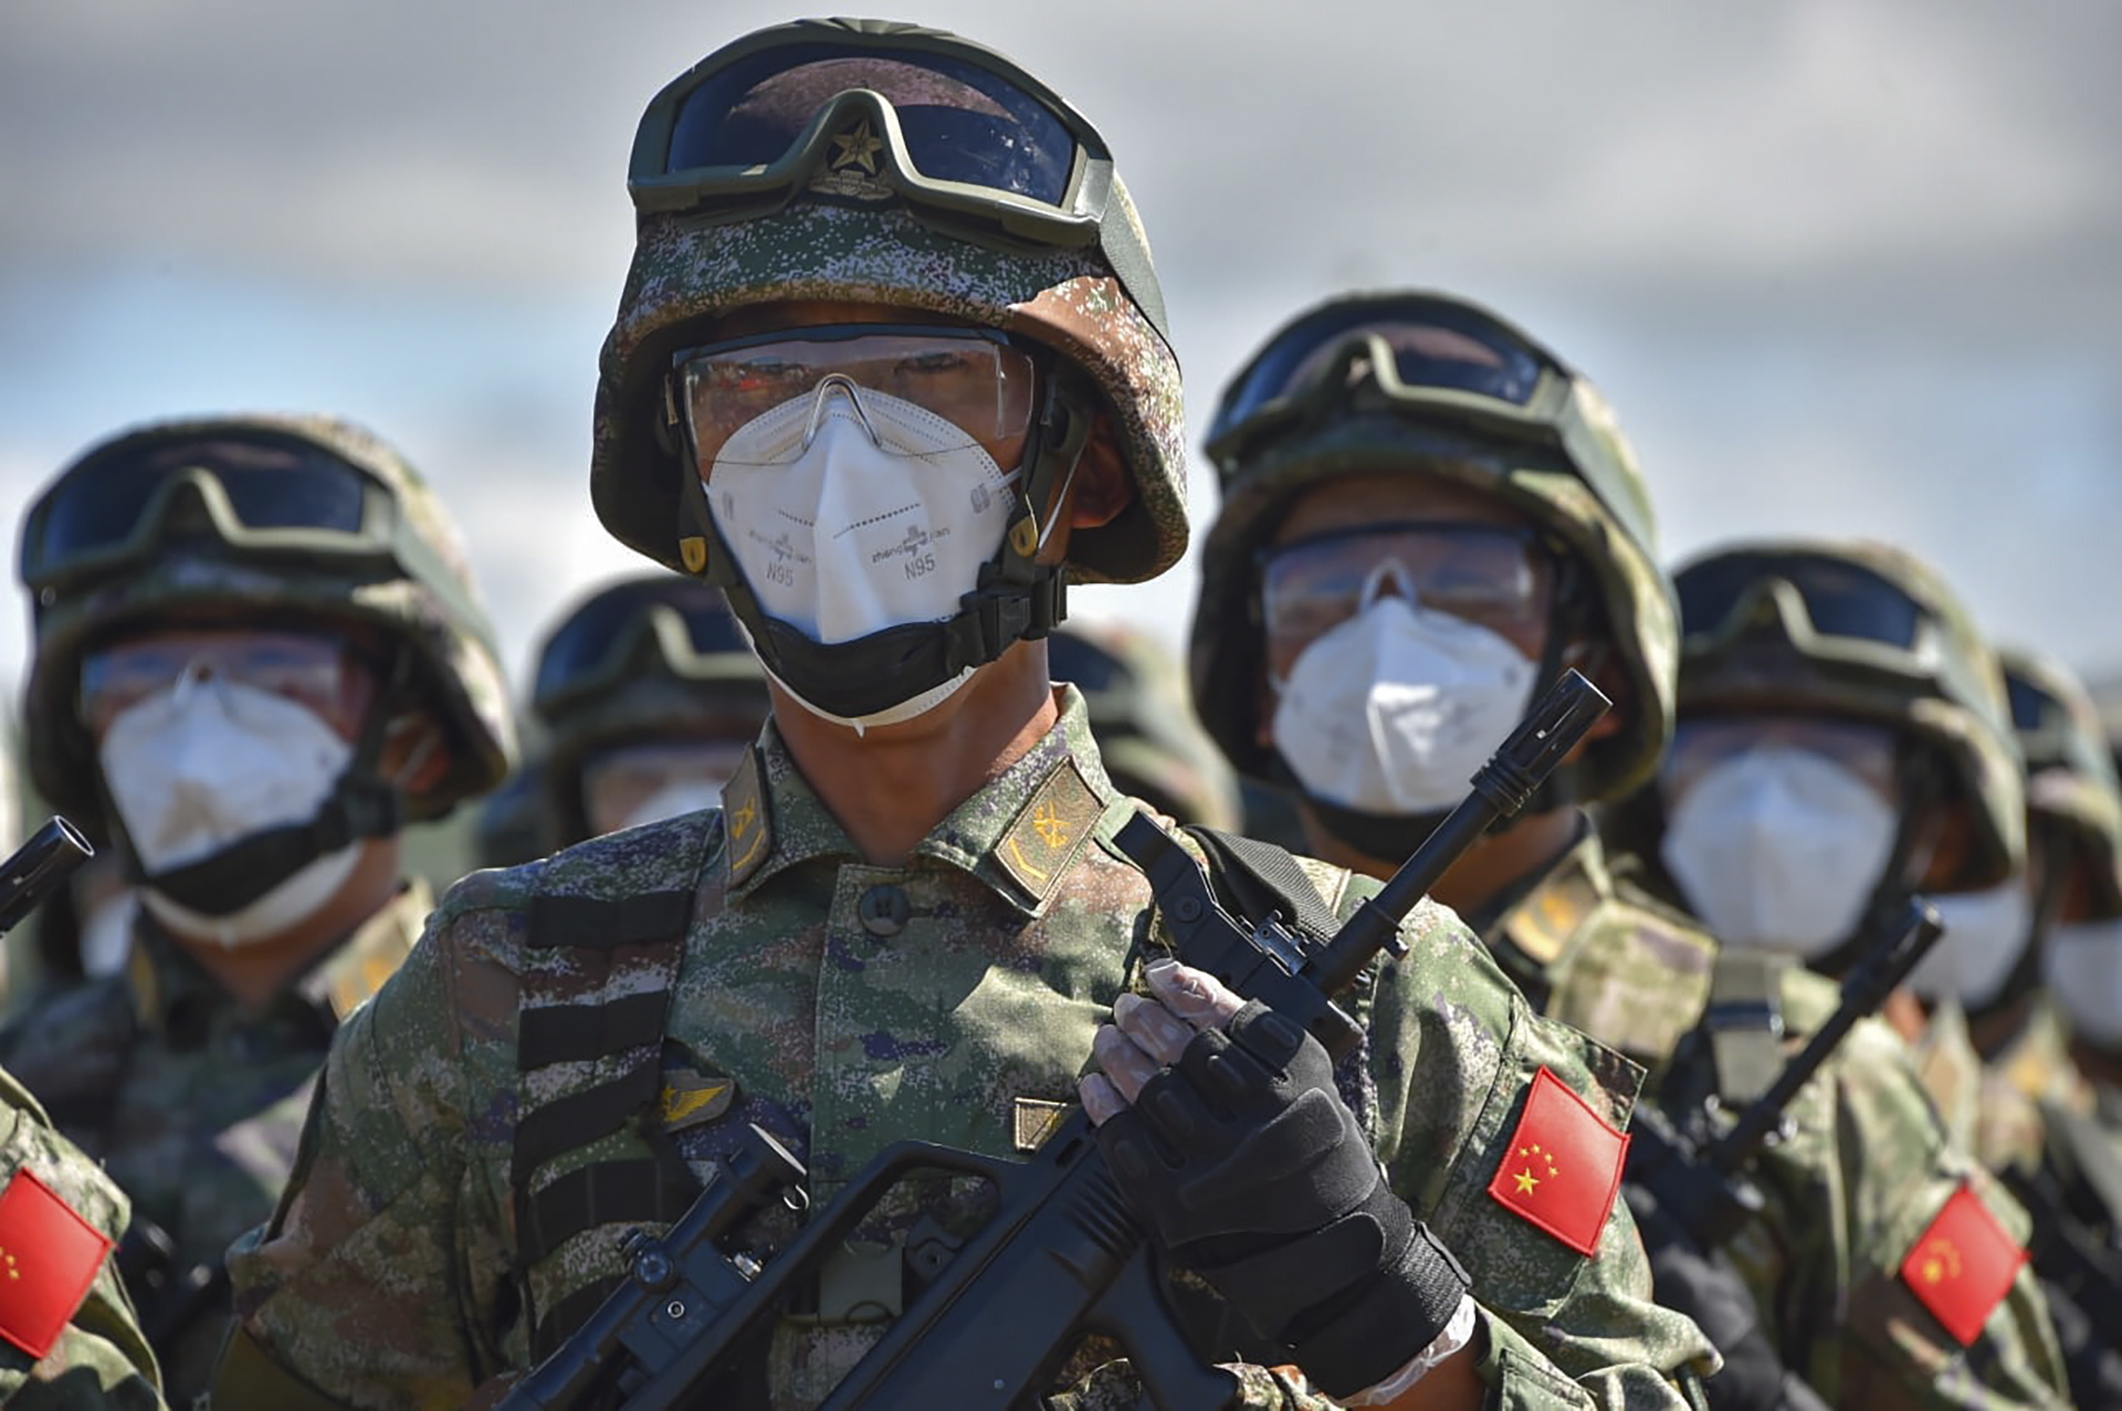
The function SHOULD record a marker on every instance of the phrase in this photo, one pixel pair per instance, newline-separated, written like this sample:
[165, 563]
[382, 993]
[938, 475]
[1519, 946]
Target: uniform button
[883, 910]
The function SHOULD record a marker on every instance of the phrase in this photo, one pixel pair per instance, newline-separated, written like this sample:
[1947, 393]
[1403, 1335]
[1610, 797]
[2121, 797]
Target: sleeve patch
[49, 1256]
[1562, 1167]
[1962, 1265]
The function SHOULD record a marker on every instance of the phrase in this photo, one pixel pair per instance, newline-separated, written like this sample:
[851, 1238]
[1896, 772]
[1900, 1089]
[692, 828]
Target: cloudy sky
[1842, 266]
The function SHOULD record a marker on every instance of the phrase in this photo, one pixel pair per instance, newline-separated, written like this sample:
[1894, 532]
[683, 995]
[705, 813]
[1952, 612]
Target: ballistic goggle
[1824, 606]
[1433, 360]
[680, 625]
[867, 111]
[255, 494]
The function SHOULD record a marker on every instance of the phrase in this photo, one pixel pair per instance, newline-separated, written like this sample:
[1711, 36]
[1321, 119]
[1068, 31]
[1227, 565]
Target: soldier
[258, 653]
[1426, 516]
[647, 698]
[1144, 725]
[2036, 1113]
[889, 368]
[68, 1337]
[1842, 743]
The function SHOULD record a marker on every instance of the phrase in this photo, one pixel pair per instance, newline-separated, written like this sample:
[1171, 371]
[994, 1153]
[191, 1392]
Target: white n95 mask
[884, 518]
[2081, 964]
[1985, 934]
[849, 512]
[1779, 848]
[1394, 709]
[209, 763]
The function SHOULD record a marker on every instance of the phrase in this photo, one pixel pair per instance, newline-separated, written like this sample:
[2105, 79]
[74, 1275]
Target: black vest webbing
[621, 1038]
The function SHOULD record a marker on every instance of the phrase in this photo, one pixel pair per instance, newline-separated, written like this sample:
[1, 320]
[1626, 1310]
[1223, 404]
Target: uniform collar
[1017, 834]
[174, 996]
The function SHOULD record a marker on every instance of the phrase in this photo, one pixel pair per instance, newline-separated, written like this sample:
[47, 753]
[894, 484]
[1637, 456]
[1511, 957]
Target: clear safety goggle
[1866, 749]
[263, 495]
[319, 670]
[979, 381]
[863, 113]
[1494, 575]
[680, 625]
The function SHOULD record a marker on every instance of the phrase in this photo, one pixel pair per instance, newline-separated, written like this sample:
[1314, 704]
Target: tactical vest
[594, 1011]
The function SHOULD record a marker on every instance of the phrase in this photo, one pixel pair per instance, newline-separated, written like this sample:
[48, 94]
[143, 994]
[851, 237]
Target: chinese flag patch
[49, 1256]
[1563, 1166]
[1961, 1267]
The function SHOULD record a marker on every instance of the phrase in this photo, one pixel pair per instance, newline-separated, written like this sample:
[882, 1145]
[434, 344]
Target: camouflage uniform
[192, 1100]
[100, 1359]
[192, 1104]
[1145, 725]
[1583, 935]
[1869, 1162]
[807, 1006]
[445, 1229]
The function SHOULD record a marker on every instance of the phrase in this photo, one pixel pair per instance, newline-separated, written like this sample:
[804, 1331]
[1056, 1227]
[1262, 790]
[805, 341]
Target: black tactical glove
[1252, 1172]
[1704, 1285]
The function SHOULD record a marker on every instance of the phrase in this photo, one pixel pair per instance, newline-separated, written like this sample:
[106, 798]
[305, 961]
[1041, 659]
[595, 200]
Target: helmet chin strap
[362, 804]
[1016, 598]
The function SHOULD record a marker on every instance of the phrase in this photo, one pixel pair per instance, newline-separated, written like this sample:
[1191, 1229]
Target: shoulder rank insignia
[1562, 1168]
[1962, 1265]
[1038, 846]
[749, 832]
[49, 1256]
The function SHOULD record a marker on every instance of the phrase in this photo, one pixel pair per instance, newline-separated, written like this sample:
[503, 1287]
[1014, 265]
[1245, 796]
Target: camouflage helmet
[1344, 390]
[1144, 725]
[1860, 631]
[650, 656]
[2071, 785]
[128, 537]
[844, 215]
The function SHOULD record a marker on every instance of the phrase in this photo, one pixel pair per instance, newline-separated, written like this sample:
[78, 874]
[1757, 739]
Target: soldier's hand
[1221, 1123]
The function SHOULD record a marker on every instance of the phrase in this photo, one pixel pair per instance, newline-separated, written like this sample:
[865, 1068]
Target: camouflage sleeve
[383, 1278]
[1898, 1170]
[1455, 1049]
[100, 1359]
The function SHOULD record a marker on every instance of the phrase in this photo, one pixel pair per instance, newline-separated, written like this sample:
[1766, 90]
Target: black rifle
[1063, 1256]
[37, 868]
[1696, 1174]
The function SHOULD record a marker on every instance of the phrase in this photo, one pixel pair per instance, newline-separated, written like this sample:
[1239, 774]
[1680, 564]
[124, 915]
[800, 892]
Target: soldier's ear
[1101, 489]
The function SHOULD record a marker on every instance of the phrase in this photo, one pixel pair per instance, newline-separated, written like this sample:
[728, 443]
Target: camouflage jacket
[1856, 1190]
[192, 1102]
[843, 1005]
[2032, 1075]
[1848, 1197]
[99, 1358]
[1591, 952]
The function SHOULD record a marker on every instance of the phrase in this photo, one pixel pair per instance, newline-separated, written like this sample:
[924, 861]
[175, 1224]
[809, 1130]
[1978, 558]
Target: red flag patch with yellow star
[1961, 1267]
[1563, 1166]
[49, 1256]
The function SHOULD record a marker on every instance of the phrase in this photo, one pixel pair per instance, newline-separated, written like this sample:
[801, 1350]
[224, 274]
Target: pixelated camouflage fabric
[192, 1101]
[388, 1277]
[100, 1362]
